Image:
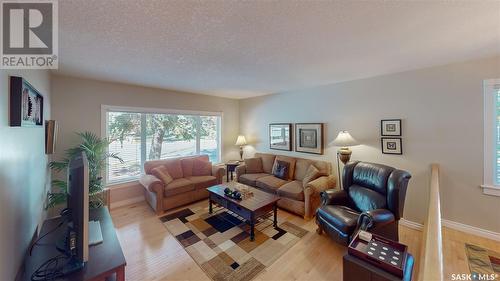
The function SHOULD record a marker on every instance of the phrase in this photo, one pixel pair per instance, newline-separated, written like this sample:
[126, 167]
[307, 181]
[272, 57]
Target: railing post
[431, 257]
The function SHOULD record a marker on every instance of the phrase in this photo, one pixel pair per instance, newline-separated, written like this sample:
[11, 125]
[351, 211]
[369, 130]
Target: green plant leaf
[61, 185]
[95, 148]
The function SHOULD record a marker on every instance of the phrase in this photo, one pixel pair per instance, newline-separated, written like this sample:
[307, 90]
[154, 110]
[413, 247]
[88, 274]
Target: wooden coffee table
[250, 208]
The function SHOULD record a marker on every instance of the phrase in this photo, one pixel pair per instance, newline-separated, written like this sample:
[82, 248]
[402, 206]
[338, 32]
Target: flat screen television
[78, 206]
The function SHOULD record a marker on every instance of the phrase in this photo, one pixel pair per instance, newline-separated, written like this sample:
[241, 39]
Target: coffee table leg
[227, 174]
[275, 213]
[252, 231]
[210, 206]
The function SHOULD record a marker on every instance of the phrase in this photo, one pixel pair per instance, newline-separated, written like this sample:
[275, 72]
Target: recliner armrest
[374, 218]
[334, 197]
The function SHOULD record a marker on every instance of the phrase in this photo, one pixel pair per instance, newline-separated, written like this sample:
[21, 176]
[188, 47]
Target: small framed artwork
[392, 146]
[309, 138]
[280, 137]
[390, 127]
[26, 104]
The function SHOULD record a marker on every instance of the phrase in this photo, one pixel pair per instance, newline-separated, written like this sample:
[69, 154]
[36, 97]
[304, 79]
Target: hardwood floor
[152, 253]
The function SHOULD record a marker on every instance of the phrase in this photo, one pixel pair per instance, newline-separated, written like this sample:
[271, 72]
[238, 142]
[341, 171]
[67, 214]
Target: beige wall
[24, 177]
[77, 107]
[442, 112]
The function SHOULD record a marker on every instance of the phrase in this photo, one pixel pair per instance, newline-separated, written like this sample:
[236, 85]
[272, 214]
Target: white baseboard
[126, 202]
[411, 224]
[471, 229]
[456, 226]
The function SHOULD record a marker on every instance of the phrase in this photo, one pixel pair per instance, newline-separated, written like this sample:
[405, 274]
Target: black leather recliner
[372, 199]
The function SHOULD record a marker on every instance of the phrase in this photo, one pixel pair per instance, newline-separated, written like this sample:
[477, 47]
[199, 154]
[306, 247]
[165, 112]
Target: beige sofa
[297, 197]
[187, 181]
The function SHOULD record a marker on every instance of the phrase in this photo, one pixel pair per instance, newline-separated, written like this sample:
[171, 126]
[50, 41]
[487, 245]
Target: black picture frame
[319, 138]
[396, 132]
[26, 104]
[287, 145]
[396, 146]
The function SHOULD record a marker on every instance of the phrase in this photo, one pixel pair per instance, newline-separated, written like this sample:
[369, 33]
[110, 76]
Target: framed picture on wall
[280, 136]
[26, 104]
[390, 127]
[309, 138]
[392, 146]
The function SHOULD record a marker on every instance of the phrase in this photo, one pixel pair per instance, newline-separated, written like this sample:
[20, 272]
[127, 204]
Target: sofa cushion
[202, 168]
[249, 179]
[178, 186]
[269, 183]
[161, 173]
[366, 199]
[311, 174]
[254, 165]
[341, 218]
[201, 182]
[281, 170]
[291, 160]
[151, 164]
[267, 161]
[187, 166]
[301, 167]
[174, 168]
[292, 190]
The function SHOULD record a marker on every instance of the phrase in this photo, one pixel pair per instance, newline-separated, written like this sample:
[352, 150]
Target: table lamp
[343, 140]
[241, 141]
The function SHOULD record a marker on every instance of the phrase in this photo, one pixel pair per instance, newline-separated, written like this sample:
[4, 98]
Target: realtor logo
[29, 35]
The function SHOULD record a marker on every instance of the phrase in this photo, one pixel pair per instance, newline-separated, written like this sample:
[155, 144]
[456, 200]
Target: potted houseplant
[96, 150]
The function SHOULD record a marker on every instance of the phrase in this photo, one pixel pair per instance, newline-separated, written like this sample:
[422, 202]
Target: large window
[141, 135]
[491, 180]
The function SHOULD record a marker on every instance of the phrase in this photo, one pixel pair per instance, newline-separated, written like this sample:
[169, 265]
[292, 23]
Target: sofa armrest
[334, 197]
[240, 170]
[218, 171]
[374, 218]
[321, 184]
[152, 183]
[312, 191]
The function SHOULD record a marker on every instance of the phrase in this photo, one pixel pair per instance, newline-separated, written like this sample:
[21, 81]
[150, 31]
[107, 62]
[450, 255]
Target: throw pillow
[254, 165]
[280, 169]
[161, 172]
[291, 161]
[202, 168]
[312, 173]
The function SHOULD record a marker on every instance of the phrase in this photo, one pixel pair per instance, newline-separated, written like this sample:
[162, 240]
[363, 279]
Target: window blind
[139, 137]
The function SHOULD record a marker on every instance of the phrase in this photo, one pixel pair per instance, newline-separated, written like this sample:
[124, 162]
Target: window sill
[491, 190]
[121, 184]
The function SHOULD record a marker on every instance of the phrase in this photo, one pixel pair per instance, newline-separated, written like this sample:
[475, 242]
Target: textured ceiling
[250, 48]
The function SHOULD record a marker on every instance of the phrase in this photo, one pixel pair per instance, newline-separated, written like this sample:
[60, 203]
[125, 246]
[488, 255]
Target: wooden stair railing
[431, 254]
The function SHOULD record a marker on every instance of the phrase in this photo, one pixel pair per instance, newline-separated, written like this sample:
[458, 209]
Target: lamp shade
[344, 139]
[241, 140]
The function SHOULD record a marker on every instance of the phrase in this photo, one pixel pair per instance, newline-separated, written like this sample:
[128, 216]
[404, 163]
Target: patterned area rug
[482, 261]
[220, 242]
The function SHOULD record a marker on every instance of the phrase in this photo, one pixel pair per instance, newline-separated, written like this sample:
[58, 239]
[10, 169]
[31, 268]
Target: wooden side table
[230, 168]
